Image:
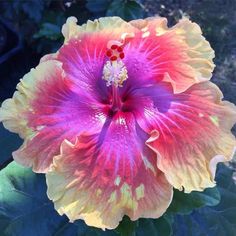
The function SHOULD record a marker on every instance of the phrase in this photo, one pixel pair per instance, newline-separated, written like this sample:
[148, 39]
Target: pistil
[116, 100]
[115, 72]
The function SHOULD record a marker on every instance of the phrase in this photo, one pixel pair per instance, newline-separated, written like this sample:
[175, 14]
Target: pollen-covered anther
[115, 72]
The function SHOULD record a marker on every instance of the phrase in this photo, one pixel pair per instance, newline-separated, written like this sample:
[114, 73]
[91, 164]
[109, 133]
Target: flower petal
[179, 54]
[84, 53]
[113, 25]
[190, 133]
[45, 121]
[106, 175]
[83, 61]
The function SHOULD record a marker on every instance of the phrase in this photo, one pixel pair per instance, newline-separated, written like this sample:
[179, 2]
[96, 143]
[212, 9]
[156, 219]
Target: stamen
[109, 53]
[121, 55]
[115, 51]
[113, 58]
[114, 46]
[114, 71]
[119, 49]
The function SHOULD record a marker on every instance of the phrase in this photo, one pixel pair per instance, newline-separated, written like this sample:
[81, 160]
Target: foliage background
[31, 28]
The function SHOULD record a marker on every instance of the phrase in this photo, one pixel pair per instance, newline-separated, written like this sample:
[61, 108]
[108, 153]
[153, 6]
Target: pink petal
[108, 174]
[109, 25]
[83, 60]
[179, 54]
[190, 132]
[84, 54]
[53, 109]
[64, 95]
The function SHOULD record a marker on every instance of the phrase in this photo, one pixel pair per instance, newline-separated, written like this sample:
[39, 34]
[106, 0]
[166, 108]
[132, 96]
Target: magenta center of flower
[115, 72]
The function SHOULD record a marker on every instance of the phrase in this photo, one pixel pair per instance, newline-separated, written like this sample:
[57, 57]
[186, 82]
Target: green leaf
[50, 31]
[9, 142]
[158, 227]
[215, 221]
[24, 206]
[126, 227]
[97, 6]
[26, 210]
[126, 9]
[185, 203]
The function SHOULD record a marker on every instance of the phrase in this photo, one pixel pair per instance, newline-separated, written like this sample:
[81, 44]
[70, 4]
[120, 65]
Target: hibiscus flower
[121, 114]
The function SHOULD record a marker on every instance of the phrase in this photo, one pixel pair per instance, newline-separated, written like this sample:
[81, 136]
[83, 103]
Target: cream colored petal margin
[113, 24]
[79, 195]
[13, 111]
[190, 163]
[199, 52]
